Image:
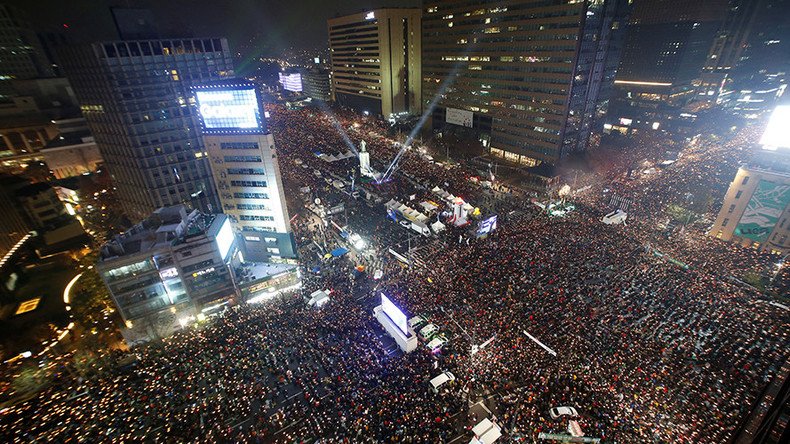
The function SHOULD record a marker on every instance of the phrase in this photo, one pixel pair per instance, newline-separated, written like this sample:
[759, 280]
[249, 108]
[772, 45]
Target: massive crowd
[646, 351]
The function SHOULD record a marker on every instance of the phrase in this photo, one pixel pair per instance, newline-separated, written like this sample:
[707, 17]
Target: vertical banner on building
[763, 211]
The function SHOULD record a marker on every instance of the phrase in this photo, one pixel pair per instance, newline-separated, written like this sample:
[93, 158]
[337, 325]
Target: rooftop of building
[167, 226]
[33, 189]
[70, 139]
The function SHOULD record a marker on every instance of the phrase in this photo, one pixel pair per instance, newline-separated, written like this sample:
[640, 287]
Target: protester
[646, 350]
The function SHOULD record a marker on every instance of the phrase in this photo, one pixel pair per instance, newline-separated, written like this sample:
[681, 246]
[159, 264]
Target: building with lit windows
[316, 82]
[178, 266]
[136, 97]
[375, 60]
[728, 47]
[525, 78]
[756, 209]
[245, 167]
[667, 45]
[21, 53]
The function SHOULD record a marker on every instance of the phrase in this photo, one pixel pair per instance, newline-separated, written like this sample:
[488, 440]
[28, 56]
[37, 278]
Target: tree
[30, 379]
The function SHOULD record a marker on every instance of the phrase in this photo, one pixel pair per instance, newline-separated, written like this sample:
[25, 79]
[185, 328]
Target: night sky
[273, 24]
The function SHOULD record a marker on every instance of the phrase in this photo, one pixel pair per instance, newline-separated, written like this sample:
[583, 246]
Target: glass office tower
[136, 97]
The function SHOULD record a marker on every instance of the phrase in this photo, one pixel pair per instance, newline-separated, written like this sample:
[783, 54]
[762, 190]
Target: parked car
[442, 379]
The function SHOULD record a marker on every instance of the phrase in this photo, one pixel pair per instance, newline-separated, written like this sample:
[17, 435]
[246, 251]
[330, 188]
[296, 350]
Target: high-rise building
[376, 61]
[244, 163]
[13, 226]
[316, 83]
[137, 99]
[522, 77]
[21, 54]
[666, 48]
[756, 209]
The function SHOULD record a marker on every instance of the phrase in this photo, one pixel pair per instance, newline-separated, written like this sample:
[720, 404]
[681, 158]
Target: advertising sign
[763, 210]
[224, 239]
[291, 82]
[777, 133]
[486, 226]
[394, 313]
[229, 110]
[459, 117]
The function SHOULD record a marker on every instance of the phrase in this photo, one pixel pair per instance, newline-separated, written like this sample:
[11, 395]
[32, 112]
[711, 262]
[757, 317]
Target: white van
[416, 321]
[428, 331]
[440, 380]
[436, 343]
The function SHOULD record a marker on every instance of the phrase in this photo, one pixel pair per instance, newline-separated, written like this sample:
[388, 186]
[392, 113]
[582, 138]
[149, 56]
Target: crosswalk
[421, 256]
[620, 202]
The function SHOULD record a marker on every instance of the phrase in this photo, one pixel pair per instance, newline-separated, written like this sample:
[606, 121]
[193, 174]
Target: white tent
[486, 432]
[318, 298]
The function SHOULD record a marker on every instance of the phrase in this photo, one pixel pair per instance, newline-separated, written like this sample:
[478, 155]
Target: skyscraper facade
[21, 53]
[245, 167]
[136, 97]
[666, 48]
[375, 59]
[523, 77]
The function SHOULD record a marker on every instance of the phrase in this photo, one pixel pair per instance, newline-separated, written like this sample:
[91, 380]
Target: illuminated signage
[291, 82]
[777, 133]
[203, 272]
[231, 109]
[487, 226]
[395, 314]
[168, 273]
[224, 239]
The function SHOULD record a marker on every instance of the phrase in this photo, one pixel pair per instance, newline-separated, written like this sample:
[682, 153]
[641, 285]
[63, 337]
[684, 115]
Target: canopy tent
[428, 206]
[486, 432]
[447, 197]
[318, 298]
[334, 157]
[337, 252]
[406, 211]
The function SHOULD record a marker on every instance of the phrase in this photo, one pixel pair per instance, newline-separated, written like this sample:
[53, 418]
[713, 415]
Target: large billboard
[763, 211]
[224, 239]
[291, 81]
[459, 117]
[228, 109]
[395, 314]
[777, 133]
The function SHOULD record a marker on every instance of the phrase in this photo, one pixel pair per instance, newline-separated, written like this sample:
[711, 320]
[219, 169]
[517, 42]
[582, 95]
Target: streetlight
[779, 266]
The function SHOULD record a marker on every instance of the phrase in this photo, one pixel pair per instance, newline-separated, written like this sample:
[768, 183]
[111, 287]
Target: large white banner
[459, 117]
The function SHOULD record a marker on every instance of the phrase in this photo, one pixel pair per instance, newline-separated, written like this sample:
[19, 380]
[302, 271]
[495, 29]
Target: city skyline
[444, 221]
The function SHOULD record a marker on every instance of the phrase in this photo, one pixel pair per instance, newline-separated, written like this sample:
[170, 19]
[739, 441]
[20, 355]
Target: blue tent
[337, 252]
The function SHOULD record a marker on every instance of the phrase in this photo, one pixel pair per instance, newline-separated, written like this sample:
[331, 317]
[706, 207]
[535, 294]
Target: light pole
[779, 266]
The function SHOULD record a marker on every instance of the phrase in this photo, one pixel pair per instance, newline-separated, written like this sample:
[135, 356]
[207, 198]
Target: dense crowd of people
[646, 350]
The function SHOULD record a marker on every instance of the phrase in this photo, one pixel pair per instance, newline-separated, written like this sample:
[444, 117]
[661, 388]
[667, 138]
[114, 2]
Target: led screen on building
[394, 313]
[459, 117]
[291, 82]
[227, 110]
[224, 239]
[763, 211]
[777, 133]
